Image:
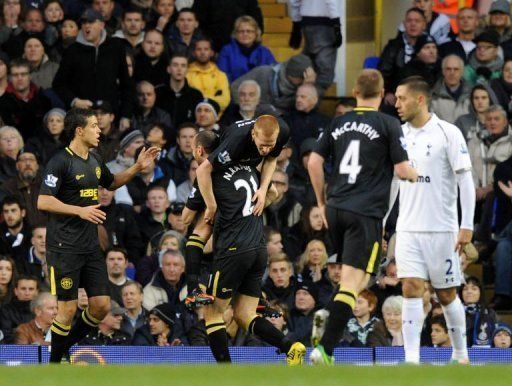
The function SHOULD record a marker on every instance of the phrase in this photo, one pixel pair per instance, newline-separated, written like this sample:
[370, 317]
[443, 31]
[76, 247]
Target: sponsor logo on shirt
[463, 149]
[224, 157]
[51, 181]
[424, 179]
[79, 176]
[192, 193]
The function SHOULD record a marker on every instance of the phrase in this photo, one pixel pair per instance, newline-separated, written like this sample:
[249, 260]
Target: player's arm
[405, 171]
[204, 180]
[267, 170]
[187, 216]
[467, 196]
[52, 204]
[143, 161]
[316, 175]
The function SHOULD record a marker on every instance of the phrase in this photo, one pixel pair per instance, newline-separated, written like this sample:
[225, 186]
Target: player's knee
[99, 308]
[446, 296]
[66, 312]
[412, 288]
[243, 318]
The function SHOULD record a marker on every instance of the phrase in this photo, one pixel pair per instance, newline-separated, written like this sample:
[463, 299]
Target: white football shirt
[438, 151]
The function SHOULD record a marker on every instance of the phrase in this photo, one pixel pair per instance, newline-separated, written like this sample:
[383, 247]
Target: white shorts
[429, 256]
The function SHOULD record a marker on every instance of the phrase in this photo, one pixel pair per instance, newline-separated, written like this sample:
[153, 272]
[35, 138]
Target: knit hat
[502, 327]
[4, 58]
[422, 41]
[333, 259]
[309, 287]
[489, 37]
[296, 66]
[210, 103]
[165, 312]
[90, 16]
[104, 106]
[55, 111]
[500, 6]
[129, 138]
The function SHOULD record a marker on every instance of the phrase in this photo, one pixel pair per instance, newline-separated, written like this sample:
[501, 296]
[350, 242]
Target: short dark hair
[27, 277]
[440, 320]
[132, 9]
[268, 232]
[204, 39]
[417, 84]
[38, 226]
[19, 62]
[76, 117]
[187, 10]
[347, 101]
[417, 10]
[207, 139]
[178, 55]
[187, 125]
[155, 186]
[11, 200]
[135, 283]
[117, 249]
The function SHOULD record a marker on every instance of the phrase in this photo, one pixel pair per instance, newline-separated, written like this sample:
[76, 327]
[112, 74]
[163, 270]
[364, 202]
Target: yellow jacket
[212, 82]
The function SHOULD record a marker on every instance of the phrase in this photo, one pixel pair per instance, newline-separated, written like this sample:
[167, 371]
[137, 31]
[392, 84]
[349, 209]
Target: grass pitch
[217, 375]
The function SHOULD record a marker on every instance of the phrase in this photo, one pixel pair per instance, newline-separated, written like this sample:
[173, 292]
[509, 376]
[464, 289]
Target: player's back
[364, 145]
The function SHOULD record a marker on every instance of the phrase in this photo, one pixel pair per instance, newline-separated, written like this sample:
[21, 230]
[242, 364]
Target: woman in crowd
[51, 138]
[11, 142]
[162, 16]
[8, 276]
[312, 263]
[11, 12]
[389, 331]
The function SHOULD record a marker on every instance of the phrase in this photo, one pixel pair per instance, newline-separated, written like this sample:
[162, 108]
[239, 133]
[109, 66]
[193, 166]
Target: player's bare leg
[412, 317]
[216, 329]
[456, 322]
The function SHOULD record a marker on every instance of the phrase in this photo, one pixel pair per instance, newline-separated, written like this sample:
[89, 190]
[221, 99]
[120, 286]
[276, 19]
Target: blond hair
[369, 84]
[252, 22]
[304, 258]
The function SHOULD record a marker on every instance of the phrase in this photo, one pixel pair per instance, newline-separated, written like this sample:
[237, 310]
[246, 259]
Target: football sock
[456, 322]
[218, 338]
[412, 324]
[265, 330]
[84, 324]
[193, 254]
[60, 333]
[340, 309]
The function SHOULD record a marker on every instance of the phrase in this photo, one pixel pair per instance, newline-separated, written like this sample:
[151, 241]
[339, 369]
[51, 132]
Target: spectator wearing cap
[484, 62]
[305, 119]
[279, 82]
[174, 218]
[450, 95]
[204, 75]
[106, 9]
[146, 114]
[300, 321]
[502, 336]
[248, 96]
[44, 307]
[132, 29]
[207, 115]
[51, 137]
[4, 72]
[26, 185]
[245, 51]
[42, 69]
[135, 315]
[330, 280]
[426, 61]
[499, 20]
[176, 163]
[151, 62]
[184, 34]
[109, 332]
[280, 284]
[95, 68]
[23, 104]
[109, 137]
[462, 43]
[128, 145]
[177, 97]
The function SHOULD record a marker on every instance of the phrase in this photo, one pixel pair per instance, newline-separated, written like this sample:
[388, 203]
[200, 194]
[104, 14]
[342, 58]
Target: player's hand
[309, 75]
[92, 214]
[324, 217]
[82, 103]
[506, 188]
[209, 214]
[259, 202]
[146, 157]
[465, 236]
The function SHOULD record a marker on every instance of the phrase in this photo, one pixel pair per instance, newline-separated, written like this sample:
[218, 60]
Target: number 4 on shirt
[350, 162]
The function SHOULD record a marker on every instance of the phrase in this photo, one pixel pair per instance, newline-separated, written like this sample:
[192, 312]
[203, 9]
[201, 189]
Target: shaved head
[266, 125]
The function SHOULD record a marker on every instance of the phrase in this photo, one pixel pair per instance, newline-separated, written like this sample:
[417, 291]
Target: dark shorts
[239, 272]
[357, 239]
[69, 271]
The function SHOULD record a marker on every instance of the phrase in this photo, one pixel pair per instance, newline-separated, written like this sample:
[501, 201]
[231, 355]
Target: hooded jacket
[212, 82]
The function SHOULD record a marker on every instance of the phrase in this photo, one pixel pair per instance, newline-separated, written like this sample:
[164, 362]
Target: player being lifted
[69, 192]
[365, 146]
[228, 178]
[427, 245]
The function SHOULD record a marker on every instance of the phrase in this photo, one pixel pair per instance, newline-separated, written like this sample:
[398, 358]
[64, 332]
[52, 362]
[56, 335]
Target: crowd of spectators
[158, 72]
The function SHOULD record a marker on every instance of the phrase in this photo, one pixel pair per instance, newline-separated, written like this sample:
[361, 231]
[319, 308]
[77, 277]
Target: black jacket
[97, 338]
[392, 60]
[22, 241]
[300, 326]
[46, 145]
[11, 316]
[156, 74]
[305, 125]
[284, 295]
[144, 123]
[175, 165]
[149, 226]
[180, 105]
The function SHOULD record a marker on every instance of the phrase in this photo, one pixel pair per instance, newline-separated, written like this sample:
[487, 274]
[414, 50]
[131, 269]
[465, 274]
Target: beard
[28, 175]
[15, 224]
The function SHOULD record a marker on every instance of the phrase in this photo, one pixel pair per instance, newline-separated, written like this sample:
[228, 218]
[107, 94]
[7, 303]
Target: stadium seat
[371, 62]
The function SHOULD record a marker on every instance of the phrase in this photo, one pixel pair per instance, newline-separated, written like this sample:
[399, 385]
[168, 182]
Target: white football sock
[412, 323]
[456, 322]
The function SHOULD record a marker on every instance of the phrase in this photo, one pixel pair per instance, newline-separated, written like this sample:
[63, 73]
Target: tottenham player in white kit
[429, 238]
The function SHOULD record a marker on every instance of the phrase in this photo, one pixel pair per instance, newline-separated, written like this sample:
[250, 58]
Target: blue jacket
[235, 64]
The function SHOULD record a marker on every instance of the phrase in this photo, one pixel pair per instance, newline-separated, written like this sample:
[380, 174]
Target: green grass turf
[67, 375]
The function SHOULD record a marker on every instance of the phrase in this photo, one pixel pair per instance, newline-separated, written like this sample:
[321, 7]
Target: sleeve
[21, 335]
[324, 143]
[53, 176]
[333, 9]
[228, 149]
[294, 10]
[107, 177]
[195, 200]
[467, 199]
[397, 150]
[457, 151]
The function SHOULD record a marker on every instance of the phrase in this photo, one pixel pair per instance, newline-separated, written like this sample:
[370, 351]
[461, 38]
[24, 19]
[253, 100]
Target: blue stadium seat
[371, 62]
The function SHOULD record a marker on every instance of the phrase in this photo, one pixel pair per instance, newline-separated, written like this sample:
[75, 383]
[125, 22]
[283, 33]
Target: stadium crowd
[158, 72]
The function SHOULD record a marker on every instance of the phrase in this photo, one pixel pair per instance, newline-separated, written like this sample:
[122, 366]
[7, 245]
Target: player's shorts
[238, 272]
[429, 256]
[69, 271]
[356, 239]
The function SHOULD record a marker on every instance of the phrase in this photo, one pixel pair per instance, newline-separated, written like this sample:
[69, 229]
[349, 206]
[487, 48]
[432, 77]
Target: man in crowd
[280, 284]
[248, 96]
[463, 44]
[147, 114]
[116, 260]
[14, 232]
[135, 315]
[207, 115]
[44, 307]
[132, 29]
[176, 163]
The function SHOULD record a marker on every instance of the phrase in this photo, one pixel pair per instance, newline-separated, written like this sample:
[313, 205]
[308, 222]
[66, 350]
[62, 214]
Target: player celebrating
[365, 146]
[427, 245]
[69, 193]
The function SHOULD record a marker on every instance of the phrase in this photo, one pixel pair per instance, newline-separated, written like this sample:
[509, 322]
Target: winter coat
[212, 82]
[144, 69]
[11, 316]
[447, 108]
[473, 70]
[43, 75]
[180, 105]
[175, 165]
[158, 291]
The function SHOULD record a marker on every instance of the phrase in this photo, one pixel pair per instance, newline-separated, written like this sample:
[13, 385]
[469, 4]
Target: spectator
[184, 35]
[160, 330]
[42, 69]
[313, 262]
[176, 163]
[168, 283]
[11, 144]
[462, 44]
[274, 240]
[319, 22]
[162, 16]
[439, 334]
[387, 284]
[106, 9]
[305, 119]
[425, 62]
[245, 50]
[344, 105]
[473, 123]
[68, 33]
[146, 113]
[4, 73]
[94, 68]
[116, 260]
[109, 332]
[128, 145]
[11, 18]
[44, 307]
[135, 315]
[174, 219]
[14, 233]
[499, 20]
[53, 11]
[50, 138]
[502, 87]
[450, 95]
[399, 51]
[8, 277]
[280, 284]
[389, 331]
[330, 281]
[25, 186]
[300, 183]
[34, 262]
[204, 75]
[184, 189]
[132, 29]
[484, 63]
[501, 336]
[279, 83]
[248, 96]
[109, 137]
[438, 24]
[178, 98]
[207, 115]
[364, 320]
[480, 321]
[300, 321]
[152, 219]
[157, 137]
[18, 310]
[25, 104]
[151, 62]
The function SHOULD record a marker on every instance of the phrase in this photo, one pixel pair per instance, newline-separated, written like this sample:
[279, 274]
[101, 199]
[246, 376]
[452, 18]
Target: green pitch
[67, 375]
